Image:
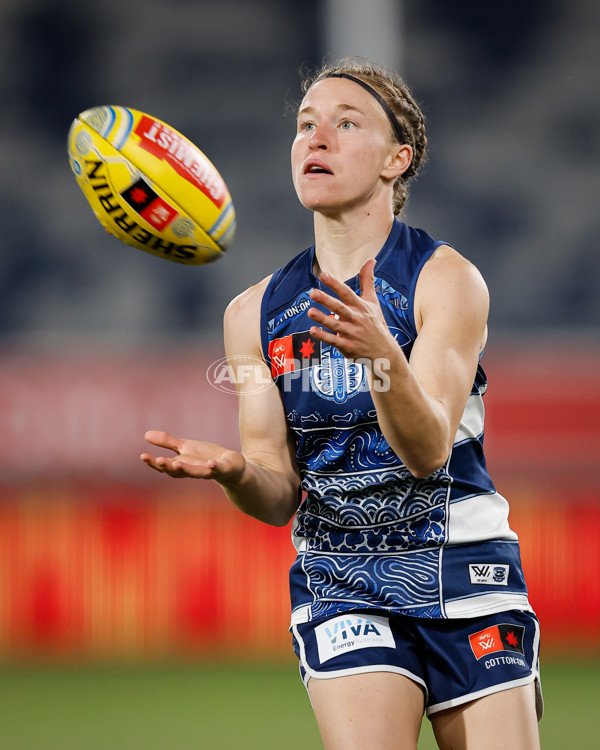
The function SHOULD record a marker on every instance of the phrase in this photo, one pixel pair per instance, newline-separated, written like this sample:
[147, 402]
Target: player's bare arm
[451, 312]
[269, 487]
[420, 402]
[262, 480]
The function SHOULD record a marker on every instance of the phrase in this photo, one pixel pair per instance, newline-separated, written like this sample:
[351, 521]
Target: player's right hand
[194, 458]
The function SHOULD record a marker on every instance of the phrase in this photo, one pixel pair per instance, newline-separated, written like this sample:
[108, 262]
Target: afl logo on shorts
[503, 637]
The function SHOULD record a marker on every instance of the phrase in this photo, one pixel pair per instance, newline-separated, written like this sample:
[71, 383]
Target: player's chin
[320, 202]
[313, 193]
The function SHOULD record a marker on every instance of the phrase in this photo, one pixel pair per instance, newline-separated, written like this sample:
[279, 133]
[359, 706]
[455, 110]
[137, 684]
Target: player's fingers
[326, 336]
[210, 469]
[342, 289]
[366, 278]
[163, 440]
[178, 469]
[216, 467]
[327, 300]
[174, 467]
[329, 321]
[152, 462]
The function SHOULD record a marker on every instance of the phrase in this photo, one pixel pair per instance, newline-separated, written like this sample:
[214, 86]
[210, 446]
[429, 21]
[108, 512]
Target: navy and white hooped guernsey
[368, 534]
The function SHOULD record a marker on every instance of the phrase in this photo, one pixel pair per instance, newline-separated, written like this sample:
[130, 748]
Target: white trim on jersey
[479, 518]
[486, 604]
[472, 421]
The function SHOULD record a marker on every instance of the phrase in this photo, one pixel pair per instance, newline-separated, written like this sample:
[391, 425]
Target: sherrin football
[150, 186]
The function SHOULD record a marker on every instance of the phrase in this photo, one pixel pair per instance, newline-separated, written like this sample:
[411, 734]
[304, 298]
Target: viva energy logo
[350, 632]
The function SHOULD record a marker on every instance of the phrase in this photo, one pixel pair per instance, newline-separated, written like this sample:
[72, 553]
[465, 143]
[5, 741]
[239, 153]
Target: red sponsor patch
[188, 161]
[281, 354]
[295, 351]
[486, 642]
[142, 198]
[503, 637]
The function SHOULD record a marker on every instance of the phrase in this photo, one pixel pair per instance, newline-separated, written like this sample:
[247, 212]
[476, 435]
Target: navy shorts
[454, 661]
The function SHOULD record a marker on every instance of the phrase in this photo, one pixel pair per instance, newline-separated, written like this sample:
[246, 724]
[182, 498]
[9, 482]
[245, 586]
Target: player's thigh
[368, 711]
[506, 719]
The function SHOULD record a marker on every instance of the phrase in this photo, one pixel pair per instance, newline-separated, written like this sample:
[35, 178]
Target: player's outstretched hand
[355, 324]
[194, 458]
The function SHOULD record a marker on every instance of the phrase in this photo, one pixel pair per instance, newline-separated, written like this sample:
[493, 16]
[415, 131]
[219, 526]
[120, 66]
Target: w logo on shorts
[501, 637]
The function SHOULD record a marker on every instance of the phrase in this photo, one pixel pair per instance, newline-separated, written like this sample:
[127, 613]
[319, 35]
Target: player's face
[342, 151]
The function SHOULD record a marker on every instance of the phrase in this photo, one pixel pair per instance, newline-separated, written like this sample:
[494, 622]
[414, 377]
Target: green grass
[206, 706]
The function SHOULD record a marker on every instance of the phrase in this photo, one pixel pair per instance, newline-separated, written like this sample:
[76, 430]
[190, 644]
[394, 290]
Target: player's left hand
[356, 326]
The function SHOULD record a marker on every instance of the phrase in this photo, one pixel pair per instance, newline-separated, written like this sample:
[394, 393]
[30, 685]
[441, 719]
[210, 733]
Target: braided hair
[401, 101]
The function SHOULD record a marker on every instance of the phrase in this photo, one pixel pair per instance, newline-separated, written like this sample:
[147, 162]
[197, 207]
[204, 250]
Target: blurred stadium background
[130, 591]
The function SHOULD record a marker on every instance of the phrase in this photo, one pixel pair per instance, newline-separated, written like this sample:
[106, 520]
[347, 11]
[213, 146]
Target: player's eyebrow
[341, 107]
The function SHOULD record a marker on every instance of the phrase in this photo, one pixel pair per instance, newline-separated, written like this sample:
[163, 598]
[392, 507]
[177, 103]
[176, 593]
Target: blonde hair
[392, 88]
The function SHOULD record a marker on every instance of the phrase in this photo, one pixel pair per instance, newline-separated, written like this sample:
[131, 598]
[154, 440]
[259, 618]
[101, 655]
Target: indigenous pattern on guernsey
[368, 534]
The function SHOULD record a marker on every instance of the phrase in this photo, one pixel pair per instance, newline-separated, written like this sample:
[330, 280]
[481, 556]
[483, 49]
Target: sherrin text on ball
[150, 186]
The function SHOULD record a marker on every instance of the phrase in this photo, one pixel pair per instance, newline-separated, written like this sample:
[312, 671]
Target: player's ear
[398, 161]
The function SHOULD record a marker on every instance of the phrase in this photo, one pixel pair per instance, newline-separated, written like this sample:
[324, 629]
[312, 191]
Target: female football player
[407, 591]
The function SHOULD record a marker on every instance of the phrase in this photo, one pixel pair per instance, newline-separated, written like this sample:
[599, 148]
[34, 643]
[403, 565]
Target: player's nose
[320, 137]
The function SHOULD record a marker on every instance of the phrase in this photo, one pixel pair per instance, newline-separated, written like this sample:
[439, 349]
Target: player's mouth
[316, 167]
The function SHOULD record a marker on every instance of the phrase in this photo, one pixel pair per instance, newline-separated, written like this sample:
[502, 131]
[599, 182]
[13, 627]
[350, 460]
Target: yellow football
[150, 186]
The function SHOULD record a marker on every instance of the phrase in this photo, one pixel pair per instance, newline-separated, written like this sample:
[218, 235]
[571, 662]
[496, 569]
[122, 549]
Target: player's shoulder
[450, 285]
[248, 302]
[241, 322]
[280, 284]
[447, 267]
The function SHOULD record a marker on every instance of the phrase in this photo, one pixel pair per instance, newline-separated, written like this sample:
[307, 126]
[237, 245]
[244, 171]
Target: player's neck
[342, 245]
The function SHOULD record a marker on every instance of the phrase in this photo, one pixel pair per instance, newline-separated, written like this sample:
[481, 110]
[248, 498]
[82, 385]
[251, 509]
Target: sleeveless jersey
[368, 534]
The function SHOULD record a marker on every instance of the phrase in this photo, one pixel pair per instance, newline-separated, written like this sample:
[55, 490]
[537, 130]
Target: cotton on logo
[350, 632]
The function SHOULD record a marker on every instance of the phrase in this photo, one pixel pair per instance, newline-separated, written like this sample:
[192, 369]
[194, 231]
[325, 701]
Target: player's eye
[347, 124]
